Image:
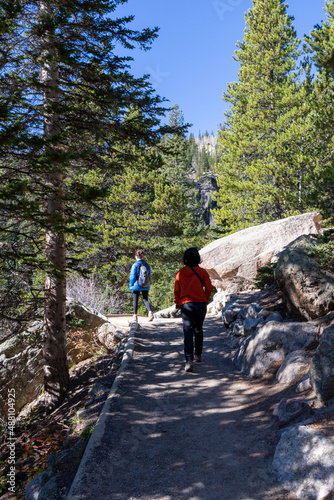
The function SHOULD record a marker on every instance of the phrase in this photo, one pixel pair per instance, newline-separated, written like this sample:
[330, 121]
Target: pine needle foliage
[262, 175]
[65, 95]
[319, 48]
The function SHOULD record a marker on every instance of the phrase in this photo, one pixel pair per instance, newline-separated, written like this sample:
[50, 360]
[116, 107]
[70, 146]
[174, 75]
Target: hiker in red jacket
[192, 299]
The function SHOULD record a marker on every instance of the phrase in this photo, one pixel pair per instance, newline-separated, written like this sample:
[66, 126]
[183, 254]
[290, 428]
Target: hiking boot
[150, 316]
[197, 358]
[189, 366]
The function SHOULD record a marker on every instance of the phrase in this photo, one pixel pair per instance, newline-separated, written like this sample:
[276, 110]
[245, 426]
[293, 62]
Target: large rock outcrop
[170, 312]
[307, 289]
[304, 463]
[322, 366]
[270, 344]
[21, 356]
[292, 411]
[79, 315]
[233, 261]
[21, 367]
[295, 366]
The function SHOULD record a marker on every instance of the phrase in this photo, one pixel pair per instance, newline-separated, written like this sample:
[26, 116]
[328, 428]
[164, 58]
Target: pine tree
[262, 172]
[174, 144]
[178, 166]
[320, 47]
[64, 98]
[147, 206]
[143, 210]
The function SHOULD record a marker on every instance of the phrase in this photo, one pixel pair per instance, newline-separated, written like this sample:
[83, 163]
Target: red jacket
[188, 287]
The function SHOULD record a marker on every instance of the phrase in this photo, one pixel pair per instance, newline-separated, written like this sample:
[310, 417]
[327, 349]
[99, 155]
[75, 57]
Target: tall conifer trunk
[56, 376]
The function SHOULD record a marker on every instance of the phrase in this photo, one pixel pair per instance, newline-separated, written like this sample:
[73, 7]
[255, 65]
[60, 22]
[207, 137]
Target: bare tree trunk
[56, 376]
[277, 208]
[301, 178]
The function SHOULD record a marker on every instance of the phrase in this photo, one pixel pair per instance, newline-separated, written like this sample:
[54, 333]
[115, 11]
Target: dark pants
[136, 299]
[193, 314]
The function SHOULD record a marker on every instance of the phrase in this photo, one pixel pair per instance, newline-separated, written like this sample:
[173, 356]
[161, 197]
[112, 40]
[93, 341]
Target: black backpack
[144, 279]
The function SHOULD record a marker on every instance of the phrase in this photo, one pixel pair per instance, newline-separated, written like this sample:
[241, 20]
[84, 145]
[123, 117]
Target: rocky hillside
[205, 187]
[204, 159]
[208, 142]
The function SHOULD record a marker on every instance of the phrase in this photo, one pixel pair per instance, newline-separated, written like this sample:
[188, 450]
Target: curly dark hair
[191, 257]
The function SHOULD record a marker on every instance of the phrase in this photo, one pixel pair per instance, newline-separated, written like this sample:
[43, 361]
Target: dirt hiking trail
[164, 434]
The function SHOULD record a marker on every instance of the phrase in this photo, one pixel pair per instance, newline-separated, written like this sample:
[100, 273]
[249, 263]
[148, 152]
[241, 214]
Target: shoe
[189, 366]
[135, 318]
[150, 316]
[197, 358]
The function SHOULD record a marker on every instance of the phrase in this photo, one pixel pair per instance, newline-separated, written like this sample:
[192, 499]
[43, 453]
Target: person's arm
[177, 290]
[207, 284]
[133, 275]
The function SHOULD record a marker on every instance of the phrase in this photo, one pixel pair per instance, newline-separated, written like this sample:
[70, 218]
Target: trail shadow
[206, 435]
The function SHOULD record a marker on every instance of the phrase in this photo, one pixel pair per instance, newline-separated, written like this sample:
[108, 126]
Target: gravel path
[171, 435]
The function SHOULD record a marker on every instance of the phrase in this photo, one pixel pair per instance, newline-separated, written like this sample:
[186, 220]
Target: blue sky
[191, 61]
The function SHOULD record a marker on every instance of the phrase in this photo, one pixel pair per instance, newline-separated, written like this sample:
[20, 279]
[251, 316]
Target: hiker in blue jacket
[140, 279]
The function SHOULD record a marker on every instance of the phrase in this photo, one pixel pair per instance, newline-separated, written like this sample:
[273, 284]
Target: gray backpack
[144, 279]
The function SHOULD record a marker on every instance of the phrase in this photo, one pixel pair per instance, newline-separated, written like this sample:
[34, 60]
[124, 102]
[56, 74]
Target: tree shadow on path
[206, 435]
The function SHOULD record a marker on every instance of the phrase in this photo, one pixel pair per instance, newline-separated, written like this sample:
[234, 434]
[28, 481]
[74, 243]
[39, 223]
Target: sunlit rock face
[233, 261]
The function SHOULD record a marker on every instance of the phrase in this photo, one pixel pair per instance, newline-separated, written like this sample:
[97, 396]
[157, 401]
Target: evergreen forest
[95, 164]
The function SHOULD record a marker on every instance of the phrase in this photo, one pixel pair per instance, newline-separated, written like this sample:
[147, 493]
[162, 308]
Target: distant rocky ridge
[205, 188]
[209, 142]
[206, 185]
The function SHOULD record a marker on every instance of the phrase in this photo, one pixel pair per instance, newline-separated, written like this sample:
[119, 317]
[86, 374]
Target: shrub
[324, 252]
[97, 296]
[265, 275]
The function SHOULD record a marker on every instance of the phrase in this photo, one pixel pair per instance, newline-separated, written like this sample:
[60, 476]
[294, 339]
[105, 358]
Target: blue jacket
[134, 275]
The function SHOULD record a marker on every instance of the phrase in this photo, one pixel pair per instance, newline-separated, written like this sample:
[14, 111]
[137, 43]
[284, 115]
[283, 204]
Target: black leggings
[193, 314]
[136, 299]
